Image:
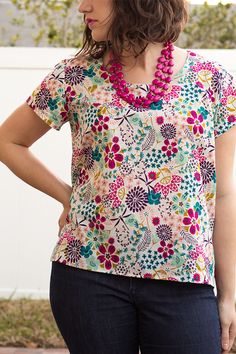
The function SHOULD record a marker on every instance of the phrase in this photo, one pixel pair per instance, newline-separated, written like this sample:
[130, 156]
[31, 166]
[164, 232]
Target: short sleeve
[50, 100]
[225, 103]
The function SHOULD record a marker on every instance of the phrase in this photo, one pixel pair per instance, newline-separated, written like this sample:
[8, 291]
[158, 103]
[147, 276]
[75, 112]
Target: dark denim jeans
[100, 313]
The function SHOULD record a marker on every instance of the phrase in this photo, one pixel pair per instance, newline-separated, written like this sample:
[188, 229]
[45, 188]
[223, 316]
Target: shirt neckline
[137, 85]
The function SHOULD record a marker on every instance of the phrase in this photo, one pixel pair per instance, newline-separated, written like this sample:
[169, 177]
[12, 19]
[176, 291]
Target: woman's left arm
[224, 237]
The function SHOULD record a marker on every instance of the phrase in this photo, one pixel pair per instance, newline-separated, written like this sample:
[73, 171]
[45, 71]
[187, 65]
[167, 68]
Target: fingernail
[225, 345]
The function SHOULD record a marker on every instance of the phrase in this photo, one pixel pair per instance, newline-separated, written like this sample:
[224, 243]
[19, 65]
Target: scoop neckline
[137, 85]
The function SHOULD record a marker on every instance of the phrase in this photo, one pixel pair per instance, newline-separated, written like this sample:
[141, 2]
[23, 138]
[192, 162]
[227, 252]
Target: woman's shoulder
[207, 61]
[81, 61]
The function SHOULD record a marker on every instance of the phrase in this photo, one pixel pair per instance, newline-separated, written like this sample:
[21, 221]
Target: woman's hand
[66, 209]
[62, 219]
[227, 315]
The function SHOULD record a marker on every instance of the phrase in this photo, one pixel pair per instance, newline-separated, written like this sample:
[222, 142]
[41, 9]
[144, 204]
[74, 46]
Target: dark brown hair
[138, 22]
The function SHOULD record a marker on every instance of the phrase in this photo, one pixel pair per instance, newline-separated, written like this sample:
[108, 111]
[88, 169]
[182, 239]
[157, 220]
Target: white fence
[28, 228]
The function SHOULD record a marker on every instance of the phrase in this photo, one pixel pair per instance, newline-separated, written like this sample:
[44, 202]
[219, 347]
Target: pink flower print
[107, 255]
[159, 119]
[196, 277]
[207, 68]
[166, 187]
[166, 249]
[191, 221]
[113, 158]
[97, 222]
[231, 119]
[229, 96]
[65, 113]
[152, 175]
[117, 192]
[173, 92]
[100, 124]
[71, 93]
[194, 254]
[156, 221]
[199, 249]
[199, 84]
[148, 276]
[195, 120]
[169, 147]
[198, 154]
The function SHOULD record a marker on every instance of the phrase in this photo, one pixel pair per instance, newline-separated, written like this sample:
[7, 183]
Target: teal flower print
[96, 155]
[153, 197]
[52, 103]
[101, 139]
[86, 251]
[90, 72]
[182, 157]
[92, 263]
[180, 202]
[199, 208]
[204, 112]
[95, 237]
[156, 105]
[182, 106]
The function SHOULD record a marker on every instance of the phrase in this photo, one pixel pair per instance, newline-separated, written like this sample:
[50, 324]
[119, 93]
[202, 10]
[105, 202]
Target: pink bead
[152, 87]
[131, 96]
[168, 79]
[123, 82]
[170, 71]
[171, 63]
[161, 60]
[149, 96]
[112, 78]
[159, 66]
[155, 82]
[165, 70]
[120, 75]
[158, 73]
[164, 52]
[165, 87]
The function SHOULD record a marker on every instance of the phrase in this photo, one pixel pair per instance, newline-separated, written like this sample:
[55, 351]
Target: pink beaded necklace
[156, 89]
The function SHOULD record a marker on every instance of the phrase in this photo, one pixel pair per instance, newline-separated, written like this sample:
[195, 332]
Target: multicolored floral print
[143, 180]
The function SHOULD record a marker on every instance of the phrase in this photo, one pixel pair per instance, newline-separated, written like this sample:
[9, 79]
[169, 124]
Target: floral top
[143, 180]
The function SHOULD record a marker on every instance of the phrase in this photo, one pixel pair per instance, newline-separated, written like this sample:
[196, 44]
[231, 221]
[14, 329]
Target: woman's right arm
[17, 133]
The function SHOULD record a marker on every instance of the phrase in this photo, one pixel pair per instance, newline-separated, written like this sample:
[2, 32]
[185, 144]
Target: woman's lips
[91, 23]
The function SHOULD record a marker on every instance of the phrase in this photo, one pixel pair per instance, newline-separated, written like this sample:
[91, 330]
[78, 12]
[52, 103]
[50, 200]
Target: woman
[134, 264]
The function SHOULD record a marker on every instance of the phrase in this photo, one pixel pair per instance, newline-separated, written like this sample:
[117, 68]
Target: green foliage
[52, 21]
[211, 27]
[58, 23]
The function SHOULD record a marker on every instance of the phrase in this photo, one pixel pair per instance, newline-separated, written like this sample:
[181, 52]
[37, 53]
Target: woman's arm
[224, 237]
[17, 133]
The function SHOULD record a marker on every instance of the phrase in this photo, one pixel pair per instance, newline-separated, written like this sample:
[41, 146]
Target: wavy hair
[138, 22]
